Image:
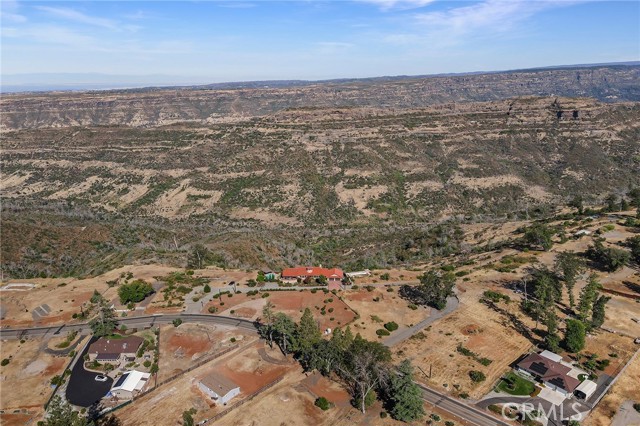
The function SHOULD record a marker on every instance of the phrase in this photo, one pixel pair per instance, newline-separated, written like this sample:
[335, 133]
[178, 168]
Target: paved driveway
[83, 390]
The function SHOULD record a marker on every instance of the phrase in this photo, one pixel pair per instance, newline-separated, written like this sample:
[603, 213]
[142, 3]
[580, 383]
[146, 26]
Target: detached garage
[129, 384]
[219, 388]
[585, 389]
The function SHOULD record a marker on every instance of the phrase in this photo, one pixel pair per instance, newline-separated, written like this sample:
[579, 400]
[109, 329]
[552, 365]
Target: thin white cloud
[398, 4]
[8, 12]
[493, 16]
[79, 17]
[50, 34]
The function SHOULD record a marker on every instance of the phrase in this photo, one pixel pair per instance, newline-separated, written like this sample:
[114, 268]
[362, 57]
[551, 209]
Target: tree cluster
[539, 235]
[362, 366]
[134, 292]
[609, 259]
[433, 290]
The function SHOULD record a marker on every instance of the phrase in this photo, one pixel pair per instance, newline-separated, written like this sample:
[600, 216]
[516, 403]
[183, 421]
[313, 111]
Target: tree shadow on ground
[515, 323]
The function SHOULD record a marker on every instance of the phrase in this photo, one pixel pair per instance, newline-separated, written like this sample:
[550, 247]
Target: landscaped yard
[513, 384]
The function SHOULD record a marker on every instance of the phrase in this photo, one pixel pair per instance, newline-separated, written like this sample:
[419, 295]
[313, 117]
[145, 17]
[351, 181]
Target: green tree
[322, 280]
[364, 368]
[588, 296]
[598, 315]
[60, 413]
[551, 339]
[433, 290]
[611, 201]
[134, 292]
[405, 395]
[308, 335]
[187, 418]
[268, 319]
[568, 265]
[578, 203]
[104, 323]
[609, 258]
[284, 332]
[207, 288]
[634, 244]
[574, 338]
[539, 235]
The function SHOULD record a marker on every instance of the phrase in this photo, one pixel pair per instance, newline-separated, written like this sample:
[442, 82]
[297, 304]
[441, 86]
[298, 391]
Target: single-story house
[585, 389]
[218, 388]
[334, 275]
[115, 350]
[549, 368]
[129, 384]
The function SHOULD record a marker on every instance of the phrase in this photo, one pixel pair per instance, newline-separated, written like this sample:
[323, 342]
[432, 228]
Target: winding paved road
[133, 322]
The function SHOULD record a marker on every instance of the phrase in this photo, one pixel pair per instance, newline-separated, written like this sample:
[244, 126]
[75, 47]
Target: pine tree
[60, 413]
[568, 265]
[405, 395]
[552, 340]
[104, 323]
[575, 334]
[307, 336]
[588, 296]
[598, 315]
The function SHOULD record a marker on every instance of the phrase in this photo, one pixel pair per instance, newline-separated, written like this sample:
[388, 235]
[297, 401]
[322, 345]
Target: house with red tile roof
[334, 276]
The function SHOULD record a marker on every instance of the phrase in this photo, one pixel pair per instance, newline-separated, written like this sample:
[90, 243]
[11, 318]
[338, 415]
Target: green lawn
[515, 385]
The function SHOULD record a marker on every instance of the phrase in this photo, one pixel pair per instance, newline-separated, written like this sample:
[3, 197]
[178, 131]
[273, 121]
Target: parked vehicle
[101, 378]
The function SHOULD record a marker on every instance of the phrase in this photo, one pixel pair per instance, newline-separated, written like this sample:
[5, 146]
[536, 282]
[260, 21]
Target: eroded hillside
[208, 105]
[336, 166]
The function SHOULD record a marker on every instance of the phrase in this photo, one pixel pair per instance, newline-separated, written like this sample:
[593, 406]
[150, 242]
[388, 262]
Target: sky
[218, 41]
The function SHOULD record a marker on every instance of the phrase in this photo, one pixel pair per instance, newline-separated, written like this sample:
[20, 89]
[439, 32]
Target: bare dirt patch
[28, 374]
[388, 307]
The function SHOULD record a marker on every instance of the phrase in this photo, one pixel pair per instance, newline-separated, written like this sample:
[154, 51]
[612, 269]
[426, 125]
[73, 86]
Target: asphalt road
[459, 408]
[133, 322]
[402, 335]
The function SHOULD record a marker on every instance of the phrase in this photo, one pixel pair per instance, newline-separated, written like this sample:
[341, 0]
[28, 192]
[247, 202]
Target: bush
[134, 292]
[176, 322]
[391, 326]
[323, 403]
[477, 376]
[412, 307]
[5, 362]
[147, 363]
[207, 288]
[382, 332]
[449, 423]
[383, 414]
[212, 309]
[385, 276]
[232, 340]
[636, 407]
[265, 295]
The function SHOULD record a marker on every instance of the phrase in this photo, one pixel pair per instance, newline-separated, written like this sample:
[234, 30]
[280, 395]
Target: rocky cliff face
[149, 108]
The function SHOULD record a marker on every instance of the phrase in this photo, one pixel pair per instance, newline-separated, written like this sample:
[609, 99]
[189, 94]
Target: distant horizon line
[194, 81]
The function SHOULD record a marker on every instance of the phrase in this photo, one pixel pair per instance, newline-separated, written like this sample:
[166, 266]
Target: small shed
[585, 389]
[219, 388]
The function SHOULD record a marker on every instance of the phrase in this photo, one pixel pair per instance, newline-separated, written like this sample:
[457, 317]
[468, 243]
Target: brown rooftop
[549, 371]
[218, 383]
[104, 345]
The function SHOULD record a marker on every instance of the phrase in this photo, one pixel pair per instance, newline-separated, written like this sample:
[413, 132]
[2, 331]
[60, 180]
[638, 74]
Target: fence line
[614, 380]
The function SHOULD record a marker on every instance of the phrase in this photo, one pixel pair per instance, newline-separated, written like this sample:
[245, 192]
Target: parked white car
[101, 378]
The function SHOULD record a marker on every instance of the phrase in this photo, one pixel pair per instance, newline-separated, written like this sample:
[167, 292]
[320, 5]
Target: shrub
[391, 326]
[636, 407]
[412, 307]
[449, 423]
[323, 403]
[464, 395]
[383, 414]
[207, 288]
[477, 376]
[176, 322]
[232, 340]
[212, 309]
[435, 417]
[265, 295]
[382, 332]
[390, 290]
[5, 362]
[147, 363]
[385, 276]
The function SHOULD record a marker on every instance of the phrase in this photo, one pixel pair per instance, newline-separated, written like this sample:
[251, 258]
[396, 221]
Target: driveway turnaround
[83, 389]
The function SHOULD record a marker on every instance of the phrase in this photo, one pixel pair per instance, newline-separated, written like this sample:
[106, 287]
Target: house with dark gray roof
[114, 350]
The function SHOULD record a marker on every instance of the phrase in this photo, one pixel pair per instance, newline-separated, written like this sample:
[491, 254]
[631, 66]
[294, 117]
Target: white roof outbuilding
[585, 389]
[131, 381]
[550, 355]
